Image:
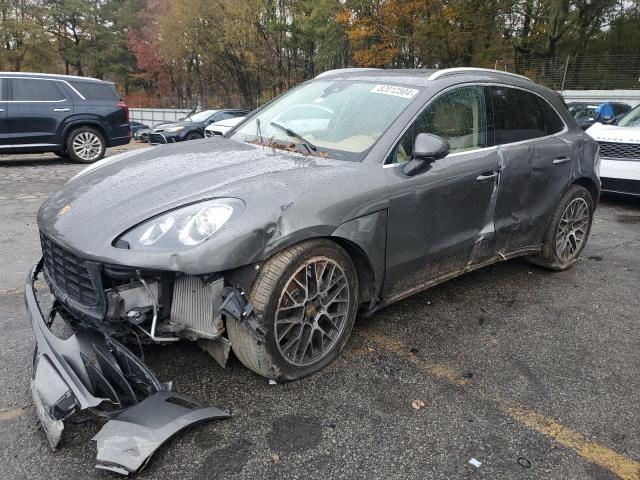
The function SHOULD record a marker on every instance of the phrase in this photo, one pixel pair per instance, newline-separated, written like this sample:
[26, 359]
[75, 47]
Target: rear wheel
[85, 145]
[306, 297]
[568, 230]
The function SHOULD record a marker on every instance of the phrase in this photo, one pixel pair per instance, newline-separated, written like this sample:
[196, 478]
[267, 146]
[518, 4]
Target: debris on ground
[275, 458]
[417, 404]
[272, 382]
[476, 463]
[524, 462]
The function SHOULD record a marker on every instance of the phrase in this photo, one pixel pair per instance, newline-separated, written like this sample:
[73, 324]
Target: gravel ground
[532, 373]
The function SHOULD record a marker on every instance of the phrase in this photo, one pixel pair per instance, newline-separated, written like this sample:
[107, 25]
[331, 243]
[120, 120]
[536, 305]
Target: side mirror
[427, 148]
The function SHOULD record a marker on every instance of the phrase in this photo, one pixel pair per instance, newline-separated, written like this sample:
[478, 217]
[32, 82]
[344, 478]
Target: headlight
[174, 129]
[184, 227]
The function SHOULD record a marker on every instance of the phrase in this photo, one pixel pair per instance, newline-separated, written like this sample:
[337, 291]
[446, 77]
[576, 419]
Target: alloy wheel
[572, 230]
[312, 312]
[87, 146]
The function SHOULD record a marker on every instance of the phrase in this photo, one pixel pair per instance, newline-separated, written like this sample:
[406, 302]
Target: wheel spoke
[572, 229]
[312, 311]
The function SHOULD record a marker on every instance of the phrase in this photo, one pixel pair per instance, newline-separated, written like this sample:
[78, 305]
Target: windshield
[631, 119]
[584, 111]
[201, 116]
[340, 119]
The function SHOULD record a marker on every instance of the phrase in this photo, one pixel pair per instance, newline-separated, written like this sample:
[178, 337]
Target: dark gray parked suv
[77, 117]
[343, 195]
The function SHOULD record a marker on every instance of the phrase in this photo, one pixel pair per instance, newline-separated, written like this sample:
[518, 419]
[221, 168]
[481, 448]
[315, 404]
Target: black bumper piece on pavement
[90, 370]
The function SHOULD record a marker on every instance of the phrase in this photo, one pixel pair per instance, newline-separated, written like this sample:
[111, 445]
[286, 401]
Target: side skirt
[386, 301]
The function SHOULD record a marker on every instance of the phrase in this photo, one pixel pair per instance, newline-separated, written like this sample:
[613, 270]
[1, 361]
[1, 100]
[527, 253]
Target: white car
[222, 127]
[620, 153]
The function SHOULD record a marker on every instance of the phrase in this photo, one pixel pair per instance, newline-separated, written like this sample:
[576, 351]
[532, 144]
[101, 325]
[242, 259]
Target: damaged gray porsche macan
[345, 194]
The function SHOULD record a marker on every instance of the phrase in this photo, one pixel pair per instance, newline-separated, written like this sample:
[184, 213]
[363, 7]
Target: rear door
[36, 109]
[536, 166]
[5, 136]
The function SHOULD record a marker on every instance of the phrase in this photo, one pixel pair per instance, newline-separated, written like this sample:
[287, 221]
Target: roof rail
[33, 74]
[344, 70]
[448, 71]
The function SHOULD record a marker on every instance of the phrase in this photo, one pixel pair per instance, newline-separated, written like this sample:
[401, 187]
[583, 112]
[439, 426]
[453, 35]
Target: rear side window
[552, 122]
[32, 90]
[517, 115]
[96, 91]
[2, 94]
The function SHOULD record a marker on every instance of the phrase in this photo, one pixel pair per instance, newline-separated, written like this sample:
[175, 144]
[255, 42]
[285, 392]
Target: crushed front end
[108, 306]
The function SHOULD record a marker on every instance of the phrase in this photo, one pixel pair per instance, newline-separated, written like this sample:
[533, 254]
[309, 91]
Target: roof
[53, 76]
[420, 77]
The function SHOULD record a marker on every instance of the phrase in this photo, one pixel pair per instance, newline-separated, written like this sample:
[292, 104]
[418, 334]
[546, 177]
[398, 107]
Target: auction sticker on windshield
[395, 91]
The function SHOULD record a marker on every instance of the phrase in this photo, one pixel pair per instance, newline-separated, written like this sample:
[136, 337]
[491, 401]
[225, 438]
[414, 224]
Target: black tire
[193, 136]
[549, 257]
[98, 143]
[265, 358]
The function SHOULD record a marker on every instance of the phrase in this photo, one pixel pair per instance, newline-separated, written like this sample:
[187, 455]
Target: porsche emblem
[64, 210]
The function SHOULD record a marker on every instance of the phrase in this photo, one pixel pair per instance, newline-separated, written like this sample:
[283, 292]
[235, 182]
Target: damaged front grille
[69, 273]
[629, 151]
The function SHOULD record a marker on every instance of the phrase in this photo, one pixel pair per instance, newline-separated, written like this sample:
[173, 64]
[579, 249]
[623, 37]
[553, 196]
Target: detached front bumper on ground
[90, 370]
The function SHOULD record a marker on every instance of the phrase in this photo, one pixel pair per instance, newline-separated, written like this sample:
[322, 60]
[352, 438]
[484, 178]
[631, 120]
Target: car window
[2, 94]
[96, 91]
[619, 109]
[32, 90]
[459, 116]
[552, 122]
[631, 119]
[355, 114]
[517, 115]
[221, 116]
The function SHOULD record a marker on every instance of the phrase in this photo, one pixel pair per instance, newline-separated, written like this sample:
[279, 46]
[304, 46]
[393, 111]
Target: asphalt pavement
[533, 374]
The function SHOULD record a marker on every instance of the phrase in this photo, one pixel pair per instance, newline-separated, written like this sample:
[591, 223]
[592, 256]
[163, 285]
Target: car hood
[164, 126]
[614, 133]
[284, 194]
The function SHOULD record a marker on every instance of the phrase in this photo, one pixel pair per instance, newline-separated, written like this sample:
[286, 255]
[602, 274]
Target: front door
[5, 135]
[36, 111]
[438, 217]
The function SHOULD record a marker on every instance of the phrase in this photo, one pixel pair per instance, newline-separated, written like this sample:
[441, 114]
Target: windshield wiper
[307, 144]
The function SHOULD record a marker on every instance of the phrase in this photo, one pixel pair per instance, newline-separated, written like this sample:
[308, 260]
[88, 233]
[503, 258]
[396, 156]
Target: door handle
[487, 176]
[61, 109]
[561, 160]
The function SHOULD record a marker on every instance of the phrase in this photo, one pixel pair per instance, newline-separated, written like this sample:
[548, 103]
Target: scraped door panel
[437, 217]
[536, 159]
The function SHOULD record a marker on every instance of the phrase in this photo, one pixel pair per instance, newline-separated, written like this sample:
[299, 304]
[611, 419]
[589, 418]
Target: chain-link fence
[582, 72]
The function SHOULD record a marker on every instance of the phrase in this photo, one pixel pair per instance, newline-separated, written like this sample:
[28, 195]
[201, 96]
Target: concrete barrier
[632, 97]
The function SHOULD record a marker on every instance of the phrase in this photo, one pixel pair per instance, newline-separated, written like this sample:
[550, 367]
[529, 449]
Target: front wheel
[306, 297]
[85, 145]
[193, 136]
[568, 230]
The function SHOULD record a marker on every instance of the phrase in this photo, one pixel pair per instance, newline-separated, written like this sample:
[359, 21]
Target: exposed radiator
[196, 306]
